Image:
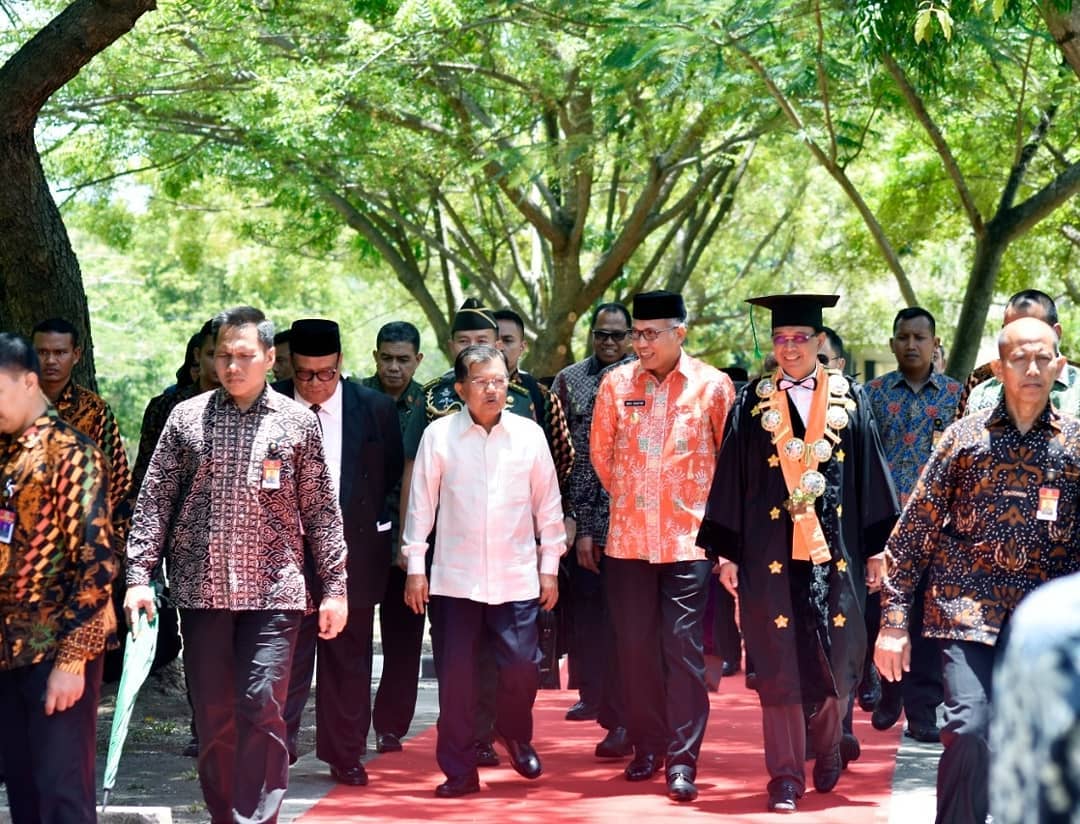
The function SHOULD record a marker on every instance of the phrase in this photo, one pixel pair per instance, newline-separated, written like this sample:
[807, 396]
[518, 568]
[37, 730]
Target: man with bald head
[991, 518]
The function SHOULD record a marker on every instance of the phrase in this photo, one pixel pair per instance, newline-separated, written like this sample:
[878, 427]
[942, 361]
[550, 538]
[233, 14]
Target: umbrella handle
[105, 800]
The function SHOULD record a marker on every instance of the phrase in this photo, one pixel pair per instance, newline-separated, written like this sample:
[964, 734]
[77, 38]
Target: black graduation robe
[803, 624]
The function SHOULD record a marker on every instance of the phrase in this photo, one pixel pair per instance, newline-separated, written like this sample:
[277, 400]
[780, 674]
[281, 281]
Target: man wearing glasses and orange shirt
[656, 430]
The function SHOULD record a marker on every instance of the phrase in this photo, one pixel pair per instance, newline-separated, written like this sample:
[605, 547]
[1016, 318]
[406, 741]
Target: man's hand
[416, 592]
[729, 576]
[570, 525]
[333, 613]
[62, 690]
[588, 553]
[549, 591]
[875, 574]
[892, 653]
[138, 598]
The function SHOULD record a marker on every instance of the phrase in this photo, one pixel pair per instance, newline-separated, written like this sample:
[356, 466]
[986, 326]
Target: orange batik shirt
[653, 445]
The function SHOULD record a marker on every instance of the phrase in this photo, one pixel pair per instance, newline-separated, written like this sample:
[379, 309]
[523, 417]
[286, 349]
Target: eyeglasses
[308, 375]
[799, 338]
[603, 334]
[649, 334]
[484, 383]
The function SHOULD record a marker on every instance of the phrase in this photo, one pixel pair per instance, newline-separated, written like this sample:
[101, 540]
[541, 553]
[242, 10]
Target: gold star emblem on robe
[774, 513]
[774, 461]
[781, 622]
[839, 620]
[775, 567]
[840, 455]
[841, 565]
[839, 510]
[755, 411]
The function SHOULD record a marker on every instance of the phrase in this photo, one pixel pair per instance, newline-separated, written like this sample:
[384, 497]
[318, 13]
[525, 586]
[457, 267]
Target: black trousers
[920, 690]
[48, 759]
[786, 729]
[964, 769]
[509, 629]
[592, 653]
[402, 641]
[343, 686]
[727, 642]
[238, 671]
[657, 611]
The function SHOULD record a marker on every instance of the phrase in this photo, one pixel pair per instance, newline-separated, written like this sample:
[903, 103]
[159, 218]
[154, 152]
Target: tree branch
[58, 52]
[918, 108]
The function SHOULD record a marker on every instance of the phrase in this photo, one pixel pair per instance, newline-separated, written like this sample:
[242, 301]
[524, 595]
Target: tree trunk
[989, 250]
[39, 273]
[550, 351]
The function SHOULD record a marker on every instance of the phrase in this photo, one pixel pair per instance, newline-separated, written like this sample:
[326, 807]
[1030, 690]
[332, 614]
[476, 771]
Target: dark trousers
[967, 669]
[657, 611]
[510, 631]
[727, 642]
[592, 653]
[343, 685]
[920, 690]
[48, 759]
[238, 671]
[402, 641]
[786, 729]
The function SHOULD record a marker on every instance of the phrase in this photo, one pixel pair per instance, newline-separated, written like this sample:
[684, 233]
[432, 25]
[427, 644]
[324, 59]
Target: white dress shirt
[802, 396]
[496, 494]
[332, 420]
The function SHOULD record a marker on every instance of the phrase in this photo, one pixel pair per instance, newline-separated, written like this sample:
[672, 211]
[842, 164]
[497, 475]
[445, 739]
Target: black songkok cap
[314, 338]
[473, 316]
[659, 305]
[796, 310]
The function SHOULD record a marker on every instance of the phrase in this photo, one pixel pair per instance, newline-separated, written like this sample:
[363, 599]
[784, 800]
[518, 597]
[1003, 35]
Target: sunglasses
[604, 334]
[798, 339]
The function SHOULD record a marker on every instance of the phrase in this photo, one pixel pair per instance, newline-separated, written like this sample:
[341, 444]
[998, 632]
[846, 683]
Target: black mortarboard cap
[314, 337]
[659, 305]
[796, 310]
[471, 316]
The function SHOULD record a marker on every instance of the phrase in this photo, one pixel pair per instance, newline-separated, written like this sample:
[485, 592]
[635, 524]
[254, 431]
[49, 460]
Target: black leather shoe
[457, 787]
[850, 749]
[191, 749]
[888, 709]
[616, 744]
[927, 733]
[869, 689]
[680, 787]
[523, 758]
[782, 798]
[730, 668]
[583, 712]
[387, 742]
[486, 755]
[354, 775]
[751, 680]
[643, 767]
[827, 769]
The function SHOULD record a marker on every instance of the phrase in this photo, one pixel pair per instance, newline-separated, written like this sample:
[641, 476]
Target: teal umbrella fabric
[138, 657]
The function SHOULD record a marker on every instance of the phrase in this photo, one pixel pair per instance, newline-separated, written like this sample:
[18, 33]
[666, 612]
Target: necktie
[315, 408]
[809, 382]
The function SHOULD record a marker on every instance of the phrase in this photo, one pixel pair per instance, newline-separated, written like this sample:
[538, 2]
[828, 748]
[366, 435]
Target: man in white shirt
[362, 440]
[490, 477]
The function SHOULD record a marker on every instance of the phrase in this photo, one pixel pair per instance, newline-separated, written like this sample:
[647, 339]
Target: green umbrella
[138, 657]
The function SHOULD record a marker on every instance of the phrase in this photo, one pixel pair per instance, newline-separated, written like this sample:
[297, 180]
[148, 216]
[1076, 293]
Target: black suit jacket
[372, 459]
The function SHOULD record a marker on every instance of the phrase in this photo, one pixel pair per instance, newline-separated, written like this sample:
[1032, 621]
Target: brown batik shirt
[975, 523]
[90, 414]
[234, 540]
[56, 572]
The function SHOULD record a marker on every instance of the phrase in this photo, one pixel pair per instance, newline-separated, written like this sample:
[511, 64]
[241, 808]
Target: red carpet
[575, 787]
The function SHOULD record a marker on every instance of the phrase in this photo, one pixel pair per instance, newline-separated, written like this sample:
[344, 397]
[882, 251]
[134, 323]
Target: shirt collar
[332, 407]
[935, 380]
[30, 435]
[594, 367]
[681, 367]
[267, 399]
[1048, 418]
